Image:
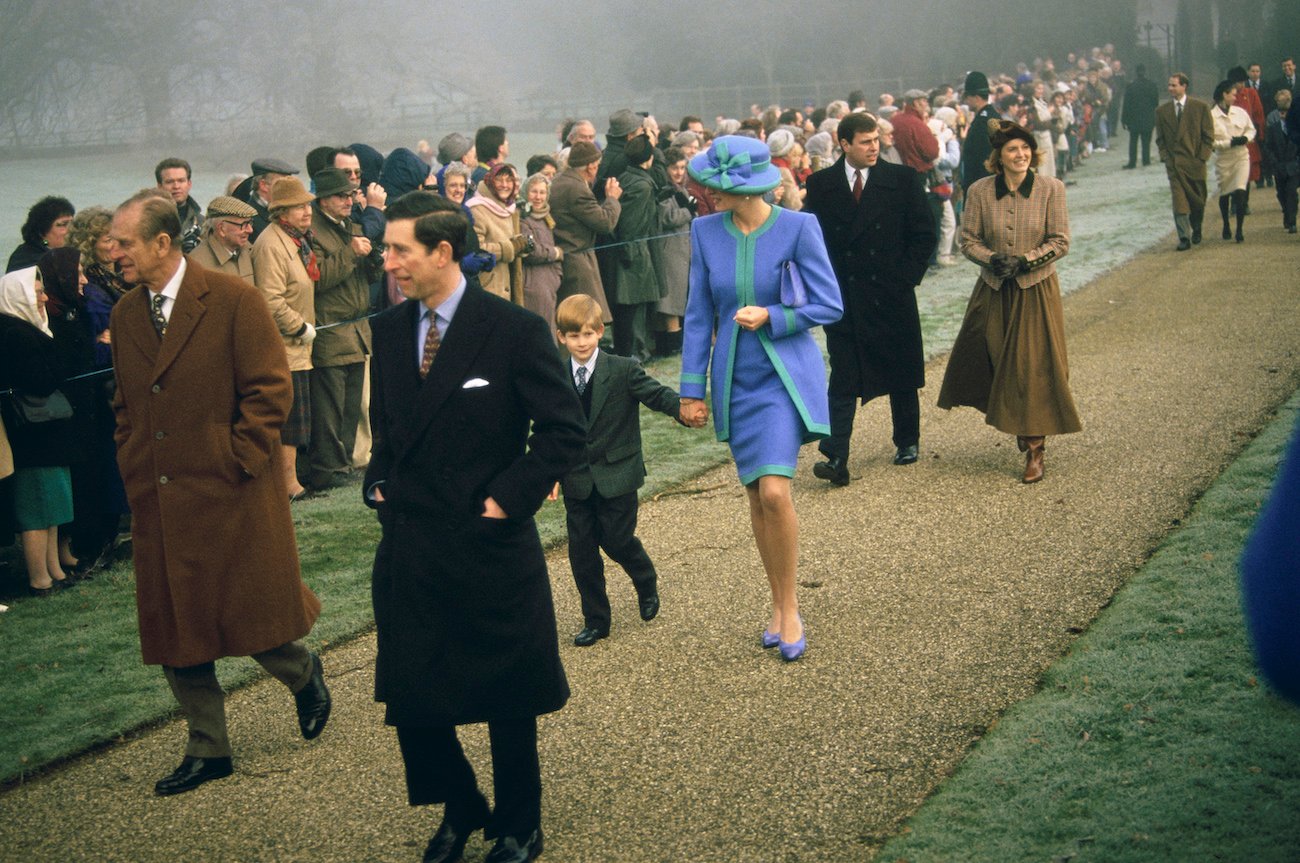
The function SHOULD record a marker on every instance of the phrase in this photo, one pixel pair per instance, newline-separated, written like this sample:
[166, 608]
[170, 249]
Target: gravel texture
[935, 596]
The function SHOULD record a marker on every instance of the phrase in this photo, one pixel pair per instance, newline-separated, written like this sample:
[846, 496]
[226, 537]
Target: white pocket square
[473, 383]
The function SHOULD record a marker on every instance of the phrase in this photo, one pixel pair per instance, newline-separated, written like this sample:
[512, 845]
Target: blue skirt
[766, 429]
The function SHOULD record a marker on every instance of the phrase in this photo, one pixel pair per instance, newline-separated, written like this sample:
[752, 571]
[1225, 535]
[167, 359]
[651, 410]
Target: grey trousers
[335, 412]
[204, 702]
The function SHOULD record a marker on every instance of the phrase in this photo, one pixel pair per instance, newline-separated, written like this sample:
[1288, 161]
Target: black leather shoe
[1183, 245]
[448, 844]
[313, 702]
[589, 636]
[192, 773]
[906, 455]
[649, 606]
[1196, 235]
[834, 470]
[510, 850]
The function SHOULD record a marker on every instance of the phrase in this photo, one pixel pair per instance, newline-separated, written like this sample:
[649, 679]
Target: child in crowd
[600, 495]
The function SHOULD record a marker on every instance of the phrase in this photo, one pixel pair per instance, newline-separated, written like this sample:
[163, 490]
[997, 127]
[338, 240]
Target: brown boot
[1034, 458]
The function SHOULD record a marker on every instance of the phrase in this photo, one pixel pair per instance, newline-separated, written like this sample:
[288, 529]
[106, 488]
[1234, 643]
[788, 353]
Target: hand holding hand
[694, 412]
[751, 317]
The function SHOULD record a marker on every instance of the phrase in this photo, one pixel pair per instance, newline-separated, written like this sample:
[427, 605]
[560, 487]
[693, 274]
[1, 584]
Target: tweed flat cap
[226, 207]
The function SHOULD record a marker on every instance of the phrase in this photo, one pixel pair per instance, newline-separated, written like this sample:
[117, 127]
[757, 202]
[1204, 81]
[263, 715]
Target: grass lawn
[1152, 740]
[70, 665]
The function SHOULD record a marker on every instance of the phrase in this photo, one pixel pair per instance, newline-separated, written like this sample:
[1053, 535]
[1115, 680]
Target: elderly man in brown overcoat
[202, 390]
[579, 219]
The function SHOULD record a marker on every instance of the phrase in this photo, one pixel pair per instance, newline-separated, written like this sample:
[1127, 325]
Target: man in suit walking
[474, 421]
[202, 390]
[879, 234]
[1139, 116]
[1185, 138]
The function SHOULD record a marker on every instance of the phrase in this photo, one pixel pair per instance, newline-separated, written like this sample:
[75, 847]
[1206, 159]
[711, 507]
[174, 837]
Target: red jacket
[914, 141]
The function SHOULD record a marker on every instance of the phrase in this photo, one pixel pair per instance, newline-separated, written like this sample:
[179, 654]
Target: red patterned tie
[857, 187]
[431, 343]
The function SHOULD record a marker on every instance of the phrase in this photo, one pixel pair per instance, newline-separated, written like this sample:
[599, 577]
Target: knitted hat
[624, 122]
[453, 147]
[735, 164]
[819, 145]
[583, 153]
[289, 192]
[226, 207]
[780, 142]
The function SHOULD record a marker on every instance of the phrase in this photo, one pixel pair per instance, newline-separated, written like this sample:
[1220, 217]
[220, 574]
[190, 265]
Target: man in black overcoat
[1139, 116]
[879, 238]
[975, 151]
[474, 420]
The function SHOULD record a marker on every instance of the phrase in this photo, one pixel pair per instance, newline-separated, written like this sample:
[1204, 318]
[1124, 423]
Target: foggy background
[238, 73]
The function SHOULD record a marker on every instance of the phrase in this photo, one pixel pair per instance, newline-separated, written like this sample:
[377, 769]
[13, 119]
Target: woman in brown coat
[1009, 358]
[286, 270]
[496, 221]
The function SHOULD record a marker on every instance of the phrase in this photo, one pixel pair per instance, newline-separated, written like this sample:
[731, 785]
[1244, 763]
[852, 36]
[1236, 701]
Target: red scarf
[302, 239]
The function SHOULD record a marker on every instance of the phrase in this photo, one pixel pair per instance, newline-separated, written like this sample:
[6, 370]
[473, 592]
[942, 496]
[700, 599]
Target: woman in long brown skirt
[1009, 358]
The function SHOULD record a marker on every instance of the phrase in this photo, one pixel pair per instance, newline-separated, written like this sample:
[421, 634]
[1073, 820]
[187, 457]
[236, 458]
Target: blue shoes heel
[770, 639]
[790, 651]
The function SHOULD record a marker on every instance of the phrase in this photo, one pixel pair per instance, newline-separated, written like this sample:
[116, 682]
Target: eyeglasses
[238, 225]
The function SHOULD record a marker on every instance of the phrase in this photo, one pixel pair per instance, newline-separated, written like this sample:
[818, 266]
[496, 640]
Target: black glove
[1239, 141]
[1003, 266]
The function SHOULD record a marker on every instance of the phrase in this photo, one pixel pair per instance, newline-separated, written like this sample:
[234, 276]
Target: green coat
[636, 281]
[342, 294]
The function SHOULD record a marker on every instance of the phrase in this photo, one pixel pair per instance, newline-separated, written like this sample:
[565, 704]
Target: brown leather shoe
[1034, 458]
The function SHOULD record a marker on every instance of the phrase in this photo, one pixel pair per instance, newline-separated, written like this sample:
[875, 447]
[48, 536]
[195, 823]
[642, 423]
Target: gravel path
[935, 595]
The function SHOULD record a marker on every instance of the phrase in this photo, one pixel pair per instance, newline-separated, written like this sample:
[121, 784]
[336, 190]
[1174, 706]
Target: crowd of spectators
[602, 215]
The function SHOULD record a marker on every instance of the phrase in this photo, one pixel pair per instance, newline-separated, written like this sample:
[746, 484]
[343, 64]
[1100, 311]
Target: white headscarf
[18, 299]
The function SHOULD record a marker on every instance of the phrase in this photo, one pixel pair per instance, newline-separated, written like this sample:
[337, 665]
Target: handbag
[33, 410]
[793, 293]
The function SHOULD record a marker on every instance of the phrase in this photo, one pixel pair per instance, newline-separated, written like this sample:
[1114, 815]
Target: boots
[1223, 209]
[1033, 449]
[1239, 199]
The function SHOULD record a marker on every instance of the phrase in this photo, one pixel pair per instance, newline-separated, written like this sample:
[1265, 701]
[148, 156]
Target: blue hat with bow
[735, 164]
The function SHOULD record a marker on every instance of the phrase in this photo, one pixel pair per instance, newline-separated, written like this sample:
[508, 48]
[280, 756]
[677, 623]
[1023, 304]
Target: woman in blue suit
[769, 380]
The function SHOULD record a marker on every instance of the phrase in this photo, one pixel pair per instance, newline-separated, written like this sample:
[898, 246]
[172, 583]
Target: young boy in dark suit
[600, 495]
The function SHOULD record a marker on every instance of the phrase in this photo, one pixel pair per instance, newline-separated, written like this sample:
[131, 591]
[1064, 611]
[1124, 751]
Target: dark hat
[226, 207]
[638, 150]
[332, 181]
[272, 166]
[624, 122]
[977, 84]
[1002, 131]
[453, 147]
[288, 192]
[583, 153]
[735, 164]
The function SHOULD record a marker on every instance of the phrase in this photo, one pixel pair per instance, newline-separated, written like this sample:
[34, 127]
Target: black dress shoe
[313, 702]
[589, 636]
[1183, 245]
[508, 849]
[1196, 235]
[448, 844]
[192, 773]
[834, 470]
[649, 606]
[906, 455]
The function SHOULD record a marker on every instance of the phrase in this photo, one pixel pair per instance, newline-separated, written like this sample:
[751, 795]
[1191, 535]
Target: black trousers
[904, 410]
[1286, 196]
[438, 772]
[632, 330]
[335, 413]
[608, 523]
[1133, 138]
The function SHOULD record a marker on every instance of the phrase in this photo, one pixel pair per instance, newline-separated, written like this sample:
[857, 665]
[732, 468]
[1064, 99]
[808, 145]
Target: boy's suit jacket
[614, 465]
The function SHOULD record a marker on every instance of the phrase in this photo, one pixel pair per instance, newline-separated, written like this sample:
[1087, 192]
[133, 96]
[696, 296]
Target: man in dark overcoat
[879, 235]
[1139, 116]
[474, 420]
[203, 388]
[975, 150]
[579, 220]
